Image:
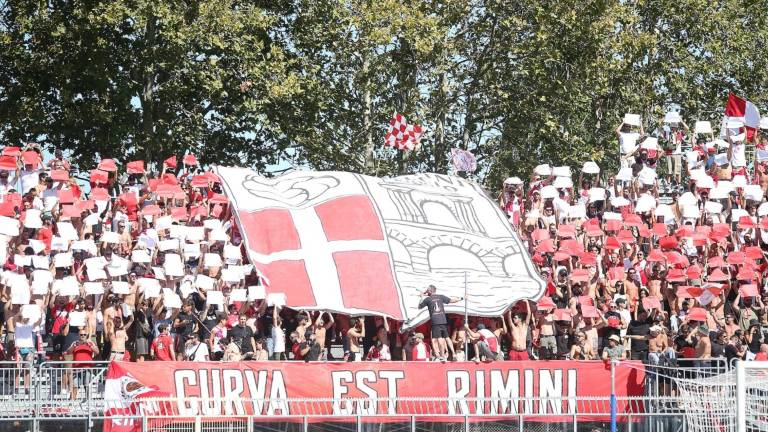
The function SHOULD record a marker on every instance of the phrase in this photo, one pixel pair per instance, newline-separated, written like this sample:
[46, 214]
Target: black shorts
[439, 331]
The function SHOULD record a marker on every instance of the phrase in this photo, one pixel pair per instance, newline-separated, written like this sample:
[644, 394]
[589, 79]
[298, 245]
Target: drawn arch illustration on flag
[356, 244]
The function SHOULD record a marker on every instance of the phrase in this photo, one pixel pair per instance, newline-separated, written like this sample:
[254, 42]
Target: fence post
[306, 424]
[144, 424]
[249, 425]
[466, 422]
[520, 426]
[34, 391]
[359, 422]
[413, 424]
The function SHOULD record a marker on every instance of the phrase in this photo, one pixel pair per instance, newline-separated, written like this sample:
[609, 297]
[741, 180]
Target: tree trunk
[440, 148]
[370, 166]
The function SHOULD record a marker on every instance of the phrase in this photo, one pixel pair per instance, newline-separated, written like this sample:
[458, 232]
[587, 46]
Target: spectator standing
[435, 304]
[162, 346]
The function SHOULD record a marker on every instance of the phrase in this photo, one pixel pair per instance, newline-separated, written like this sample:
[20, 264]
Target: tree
[146, 79]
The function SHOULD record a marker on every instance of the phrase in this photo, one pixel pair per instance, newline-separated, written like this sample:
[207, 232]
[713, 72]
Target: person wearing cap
[486, 343]
[615, 350]
[627, 140]
[419, 349]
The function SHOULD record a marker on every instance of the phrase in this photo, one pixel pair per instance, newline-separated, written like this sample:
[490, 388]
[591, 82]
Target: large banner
[356, 244]
[550, 390]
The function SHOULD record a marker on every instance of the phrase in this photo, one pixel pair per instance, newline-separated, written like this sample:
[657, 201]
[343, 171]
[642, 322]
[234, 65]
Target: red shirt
[60, 317]
[296, 350]
[83, 353]
[162, 347]
[45, 235]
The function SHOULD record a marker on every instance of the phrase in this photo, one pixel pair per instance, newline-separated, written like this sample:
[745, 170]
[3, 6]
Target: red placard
[267, 390]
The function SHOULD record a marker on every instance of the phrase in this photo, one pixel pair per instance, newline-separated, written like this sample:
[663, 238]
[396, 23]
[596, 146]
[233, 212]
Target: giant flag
[356, 244]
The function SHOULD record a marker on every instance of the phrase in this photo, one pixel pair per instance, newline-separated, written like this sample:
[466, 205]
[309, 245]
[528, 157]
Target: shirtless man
[320, 329]
[703, 347]
[657, 343]
[518, 330]
[582, 350]
[305, 320]
[547, 340]
[730, 326]
[355, 336]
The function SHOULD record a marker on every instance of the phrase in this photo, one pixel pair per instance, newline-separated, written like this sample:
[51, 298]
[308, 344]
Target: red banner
[267, 390]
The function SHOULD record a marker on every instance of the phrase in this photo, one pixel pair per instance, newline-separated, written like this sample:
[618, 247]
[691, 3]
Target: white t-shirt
[25, 337]
[278, 336]
[29, 180]
[200, 352]
[738, 156]
[628, 141]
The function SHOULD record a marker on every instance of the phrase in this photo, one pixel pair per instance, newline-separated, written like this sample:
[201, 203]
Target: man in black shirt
[242, 336]
[435, 303]
[183, 326]
[639, 327]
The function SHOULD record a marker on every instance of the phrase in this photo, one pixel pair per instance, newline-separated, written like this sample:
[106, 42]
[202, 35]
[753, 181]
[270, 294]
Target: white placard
[152, 291]
[20, 294]
[63, 259]
[256, 292]
[164, 222]
[22, 260]
[140, 256]
[127, 309]
[204, 282]
[191, 250]
[32, 219]
[177, 231]
[67, 231]
[41, 261]
[159, 273]
[94, 288]
[31, 312]
[77, 319]
[91, 220]
[212, 260]
[171, 300]
[9, 226]
[66, 287]
[36, 245]
[195, 233]
[231, 274]
[218, 235]
[232, 252]
[212, 224]
[96, 274]
[186, 288]
[110, 237]
[173, 265]
[276, 299]
[238, 295]
[95, 262]
[85, 245]
[214, 298]
[59, 244]
[121, 287]
[170, 244]
[118, 266]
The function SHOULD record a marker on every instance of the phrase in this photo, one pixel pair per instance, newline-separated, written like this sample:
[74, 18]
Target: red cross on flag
[401, 135]
[355, 244]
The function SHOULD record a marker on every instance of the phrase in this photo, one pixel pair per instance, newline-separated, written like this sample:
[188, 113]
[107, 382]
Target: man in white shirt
[196, 351]
[627, 141]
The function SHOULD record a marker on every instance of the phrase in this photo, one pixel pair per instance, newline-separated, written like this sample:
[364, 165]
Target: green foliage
[516, 82]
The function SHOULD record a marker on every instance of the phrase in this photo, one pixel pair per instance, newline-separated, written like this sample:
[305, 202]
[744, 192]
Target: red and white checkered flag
[401, 135]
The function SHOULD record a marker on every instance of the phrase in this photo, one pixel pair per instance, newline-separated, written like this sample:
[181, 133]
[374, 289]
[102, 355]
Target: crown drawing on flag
[401, 135]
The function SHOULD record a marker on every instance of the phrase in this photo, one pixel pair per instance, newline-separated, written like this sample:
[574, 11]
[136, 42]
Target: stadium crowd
[662, 259]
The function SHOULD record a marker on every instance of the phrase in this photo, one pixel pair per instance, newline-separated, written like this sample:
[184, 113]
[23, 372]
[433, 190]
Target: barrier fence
[70, 396]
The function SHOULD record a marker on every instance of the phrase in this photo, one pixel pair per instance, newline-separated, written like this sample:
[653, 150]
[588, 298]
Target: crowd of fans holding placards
[662, 259]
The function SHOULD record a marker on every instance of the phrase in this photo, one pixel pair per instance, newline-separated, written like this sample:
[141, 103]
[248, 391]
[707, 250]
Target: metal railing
[34, 394]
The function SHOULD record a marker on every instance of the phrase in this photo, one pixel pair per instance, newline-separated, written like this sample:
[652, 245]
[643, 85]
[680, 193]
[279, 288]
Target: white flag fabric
[363, 245]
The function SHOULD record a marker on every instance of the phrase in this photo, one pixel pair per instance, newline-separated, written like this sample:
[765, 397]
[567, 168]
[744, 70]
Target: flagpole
[466, 320]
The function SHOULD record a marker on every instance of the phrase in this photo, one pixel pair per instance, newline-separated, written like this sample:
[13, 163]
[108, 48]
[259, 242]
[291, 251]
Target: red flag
[135, 167]
[401, 135]
[170, 162]
[743, 110]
